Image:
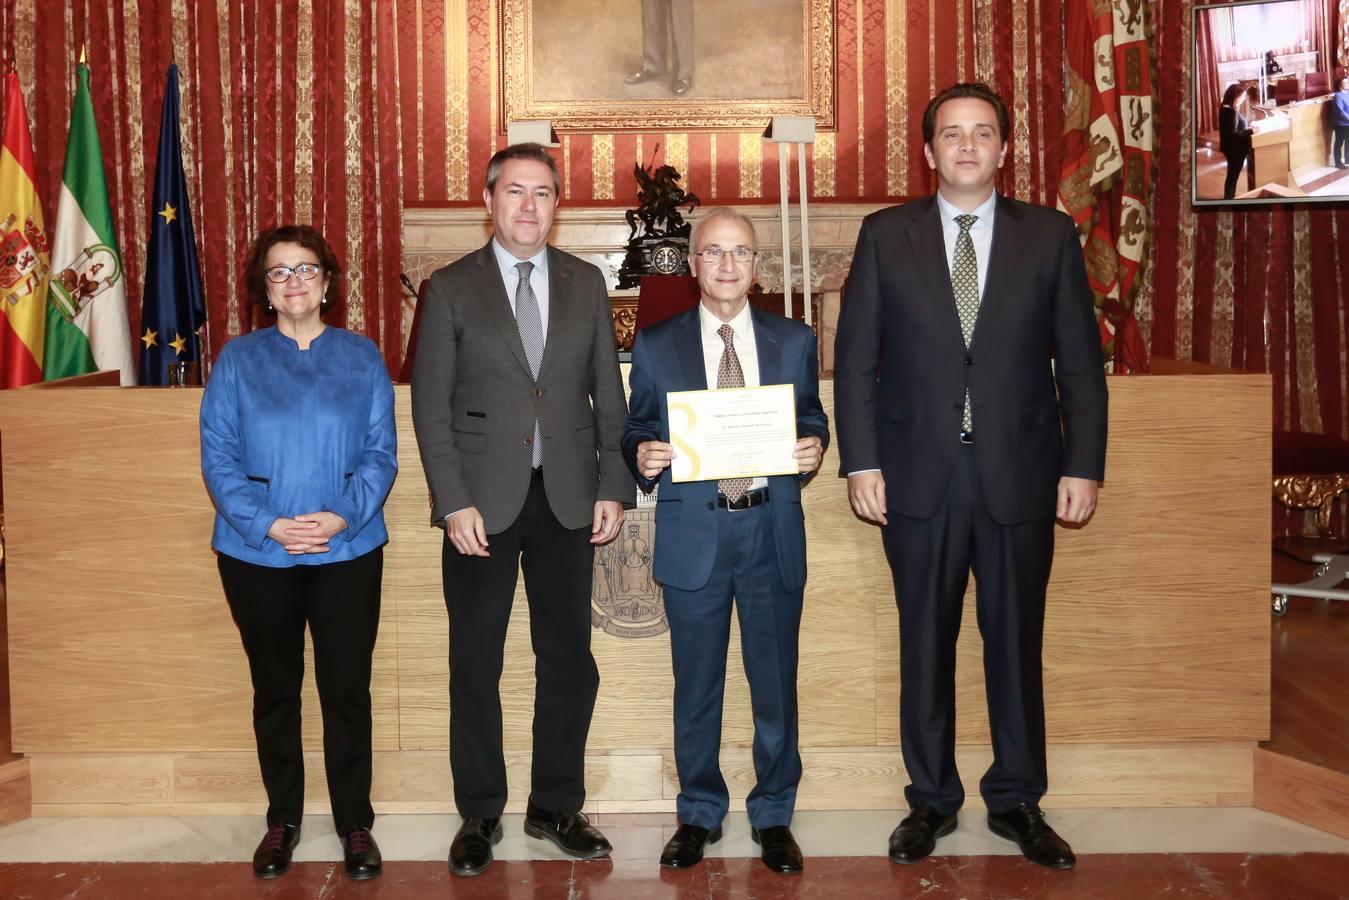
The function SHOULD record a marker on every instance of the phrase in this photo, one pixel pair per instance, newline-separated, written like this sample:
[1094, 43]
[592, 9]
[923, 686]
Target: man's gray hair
[721, 212]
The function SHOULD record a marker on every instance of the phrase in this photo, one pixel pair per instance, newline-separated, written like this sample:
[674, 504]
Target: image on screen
[1270, 98]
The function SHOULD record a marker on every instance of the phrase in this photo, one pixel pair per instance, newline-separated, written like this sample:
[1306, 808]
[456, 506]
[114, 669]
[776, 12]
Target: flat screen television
[1268, 92]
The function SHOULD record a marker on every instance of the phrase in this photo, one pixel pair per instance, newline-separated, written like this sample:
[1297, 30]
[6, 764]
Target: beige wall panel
[1157, 626]
[102, 778]
[1082, 775]
[122, 618]
[121, 641]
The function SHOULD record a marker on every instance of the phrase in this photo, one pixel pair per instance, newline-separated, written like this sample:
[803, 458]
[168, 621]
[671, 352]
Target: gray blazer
[474, 402]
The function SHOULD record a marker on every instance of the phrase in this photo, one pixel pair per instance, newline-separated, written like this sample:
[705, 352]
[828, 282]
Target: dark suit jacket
[901, 367]
[669, 357]
[474, 401]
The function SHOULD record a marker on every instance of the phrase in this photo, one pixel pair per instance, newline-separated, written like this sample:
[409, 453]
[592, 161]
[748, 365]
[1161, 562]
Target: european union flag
[174, 311]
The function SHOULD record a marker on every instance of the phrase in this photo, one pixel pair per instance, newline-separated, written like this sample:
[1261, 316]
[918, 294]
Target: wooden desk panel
[1157, 633]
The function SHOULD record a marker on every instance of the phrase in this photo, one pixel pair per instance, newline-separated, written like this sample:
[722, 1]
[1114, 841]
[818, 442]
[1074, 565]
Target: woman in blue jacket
[1340, 119]
[298, 451]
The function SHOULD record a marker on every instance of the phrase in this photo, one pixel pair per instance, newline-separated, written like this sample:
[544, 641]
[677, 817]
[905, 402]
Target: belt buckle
[731, 504]
[967, 437]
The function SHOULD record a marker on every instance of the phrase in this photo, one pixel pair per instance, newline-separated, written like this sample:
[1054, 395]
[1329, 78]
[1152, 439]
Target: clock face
[666, 259]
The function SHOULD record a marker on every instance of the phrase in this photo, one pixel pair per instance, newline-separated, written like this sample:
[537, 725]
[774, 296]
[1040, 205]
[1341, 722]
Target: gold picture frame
[587, 46]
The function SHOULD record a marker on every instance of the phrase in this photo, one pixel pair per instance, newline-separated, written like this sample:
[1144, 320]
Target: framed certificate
[733, 432]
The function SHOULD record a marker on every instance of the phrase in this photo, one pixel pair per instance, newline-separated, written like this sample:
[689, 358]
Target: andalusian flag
[87, 327]
[23, 250]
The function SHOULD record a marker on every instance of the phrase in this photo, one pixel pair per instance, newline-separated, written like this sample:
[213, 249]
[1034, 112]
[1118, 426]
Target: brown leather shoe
[272, 858]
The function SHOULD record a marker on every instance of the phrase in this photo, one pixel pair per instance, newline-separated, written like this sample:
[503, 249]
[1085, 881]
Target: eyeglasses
[713, 255]
[281, 274]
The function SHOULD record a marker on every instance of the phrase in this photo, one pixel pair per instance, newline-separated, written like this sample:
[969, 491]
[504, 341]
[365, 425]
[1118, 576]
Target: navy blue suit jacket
[669, 357]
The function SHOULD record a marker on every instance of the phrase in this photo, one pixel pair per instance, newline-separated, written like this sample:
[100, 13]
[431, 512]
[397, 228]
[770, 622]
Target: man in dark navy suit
[970, 402]
[740, 540]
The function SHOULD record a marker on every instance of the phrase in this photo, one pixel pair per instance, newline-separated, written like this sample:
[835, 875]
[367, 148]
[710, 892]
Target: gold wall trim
[1304, 324]
[304, 116]
[823, 182]
[351, 49]
[602, 166]
[456, 98]
[222, 18]
[751, 164]
[896, 98]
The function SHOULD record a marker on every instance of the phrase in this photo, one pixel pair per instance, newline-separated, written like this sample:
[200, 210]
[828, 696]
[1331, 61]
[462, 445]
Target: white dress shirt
[742, 339]
[538, 278]
[981, 233]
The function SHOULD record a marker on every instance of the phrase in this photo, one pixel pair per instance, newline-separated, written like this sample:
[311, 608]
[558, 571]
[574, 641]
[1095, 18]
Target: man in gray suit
[518, 407]
[664, 21]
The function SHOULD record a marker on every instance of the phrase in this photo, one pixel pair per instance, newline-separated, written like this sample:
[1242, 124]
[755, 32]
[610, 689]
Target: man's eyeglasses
[281, 274]
[713, 255]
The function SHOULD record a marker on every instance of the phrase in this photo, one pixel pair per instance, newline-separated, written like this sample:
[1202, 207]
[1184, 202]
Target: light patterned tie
[965, 286]
[730, 375]
[530, 323]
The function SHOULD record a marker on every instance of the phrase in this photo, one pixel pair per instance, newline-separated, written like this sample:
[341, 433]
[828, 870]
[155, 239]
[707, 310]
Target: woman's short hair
[306, 236]
[1231, 95]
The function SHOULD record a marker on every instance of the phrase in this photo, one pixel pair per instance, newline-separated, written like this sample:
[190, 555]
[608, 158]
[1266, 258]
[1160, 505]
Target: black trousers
[930, 560]
[479, 591]
[1341, 142]
[340, 603]
[1235, 162]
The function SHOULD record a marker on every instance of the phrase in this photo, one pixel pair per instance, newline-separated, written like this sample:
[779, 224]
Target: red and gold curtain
[288, 115]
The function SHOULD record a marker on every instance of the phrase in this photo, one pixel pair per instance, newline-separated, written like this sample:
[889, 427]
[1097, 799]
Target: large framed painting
[612, 65]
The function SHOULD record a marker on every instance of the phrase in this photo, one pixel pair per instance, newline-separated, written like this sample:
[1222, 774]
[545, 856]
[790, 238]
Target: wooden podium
[131, 691]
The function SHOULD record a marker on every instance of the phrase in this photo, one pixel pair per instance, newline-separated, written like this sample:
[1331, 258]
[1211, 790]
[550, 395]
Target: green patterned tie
[965, 286]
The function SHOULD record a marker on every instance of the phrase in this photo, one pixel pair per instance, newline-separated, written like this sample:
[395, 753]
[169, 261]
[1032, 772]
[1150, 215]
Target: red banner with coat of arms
[1105, 182]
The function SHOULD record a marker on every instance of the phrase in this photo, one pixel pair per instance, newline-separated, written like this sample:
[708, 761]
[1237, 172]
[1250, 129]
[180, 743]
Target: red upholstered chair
[1286, 90]
[1318, 84]
[663, 296]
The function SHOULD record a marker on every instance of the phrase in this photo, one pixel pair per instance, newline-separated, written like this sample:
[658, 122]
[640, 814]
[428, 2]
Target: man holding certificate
[725, 417]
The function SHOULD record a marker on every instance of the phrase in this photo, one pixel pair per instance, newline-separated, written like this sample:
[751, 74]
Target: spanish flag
[24, 258]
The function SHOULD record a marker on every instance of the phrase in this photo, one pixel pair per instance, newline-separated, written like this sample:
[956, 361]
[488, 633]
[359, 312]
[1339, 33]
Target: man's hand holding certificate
[731, 433]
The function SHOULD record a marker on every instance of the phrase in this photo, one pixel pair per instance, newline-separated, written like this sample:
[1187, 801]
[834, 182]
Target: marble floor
[1230, 852]
[641, 836]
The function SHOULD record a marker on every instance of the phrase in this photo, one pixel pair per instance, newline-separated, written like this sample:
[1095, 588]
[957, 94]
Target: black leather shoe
[272, 858]
[1026, 825]
[685, 847]
[360, 854]
[642, 76]
[916, 835]
[471, 849]
[681, 86]
[780, 852]
[571, 831]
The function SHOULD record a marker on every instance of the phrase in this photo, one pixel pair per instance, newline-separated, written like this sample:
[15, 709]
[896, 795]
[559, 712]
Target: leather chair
[1318, 84]
[1286, 90]
[662, 296]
